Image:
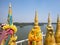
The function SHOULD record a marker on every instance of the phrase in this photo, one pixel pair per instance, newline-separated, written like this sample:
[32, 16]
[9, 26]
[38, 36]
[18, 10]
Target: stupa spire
[49, 20]
[58, 23]
[36, 18]
[58, 19]
[57, 33]
[10, 5]
[49, 26]
[49, 38]
[10, 21]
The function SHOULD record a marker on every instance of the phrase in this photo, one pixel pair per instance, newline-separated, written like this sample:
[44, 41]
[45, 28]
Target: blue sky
[24, 10]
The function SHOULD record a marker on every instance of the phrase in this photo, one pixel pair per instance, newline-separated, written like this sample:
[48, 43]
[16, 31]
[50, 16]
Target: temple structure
[57, 33]
[49, 38]
[35, 35]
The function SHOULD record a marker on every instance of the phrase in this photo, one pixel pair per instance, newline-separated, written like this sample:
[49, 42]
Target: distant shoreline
[24, 24]
[17, 23]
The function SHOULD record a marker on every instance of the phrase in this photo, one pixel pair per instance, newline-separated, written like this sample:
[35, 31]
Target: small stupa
[57, 33]
[12, 29]
[49, 38]
[13, 38]
[35, 35]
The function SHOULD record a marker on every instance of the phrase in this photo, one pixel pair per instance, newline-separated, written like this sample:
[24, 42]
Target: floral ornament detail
[12, 27]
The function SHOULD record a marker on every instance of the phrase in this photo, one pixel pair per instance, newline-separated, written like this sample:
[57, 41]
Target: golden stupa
[35, 35]
[49, 38]
[57, 33]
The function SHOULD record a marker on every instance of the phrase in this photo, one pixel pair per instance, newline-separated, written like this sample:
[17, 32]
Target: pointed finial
[58, 18]
[49, 20]
[36, 13]
[36, 18]
[10, 8]
[10, 5]
[10, 21]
